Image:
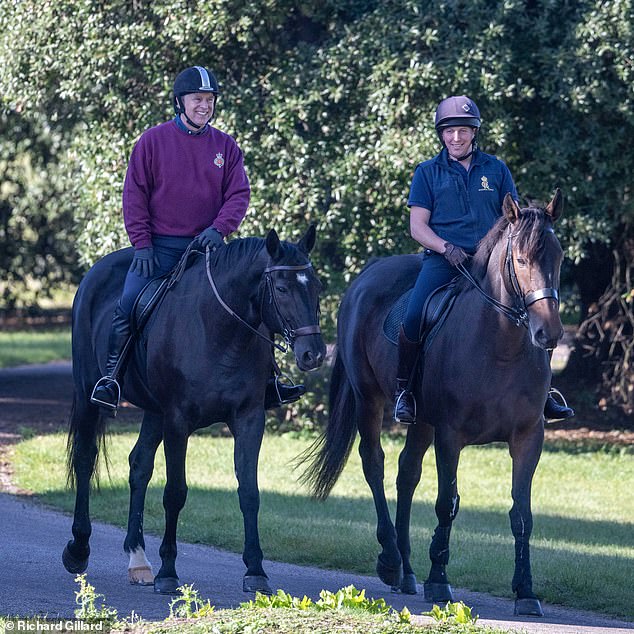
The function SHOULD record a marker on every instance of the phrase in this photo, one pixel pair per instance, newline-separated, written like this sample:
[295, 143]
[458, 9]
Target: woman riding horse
[455, 198]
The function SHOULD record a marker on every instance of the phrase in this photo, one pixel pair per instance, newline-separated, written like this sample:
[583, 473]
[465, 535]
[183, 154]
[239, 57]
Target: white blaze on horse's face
[302, 278]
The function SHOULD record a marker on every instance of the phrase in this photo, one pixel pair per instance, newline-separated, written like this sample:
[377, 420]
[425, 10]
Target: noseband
[290, 334]
[518, 315]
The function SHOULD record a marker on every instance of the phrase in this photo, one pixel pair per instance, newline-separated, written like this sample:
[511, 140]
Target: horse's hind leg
[525, 453]
[437, 588]
[410, 463]
[389, 566]
[174, 496]
[83, 437]
[141, 468]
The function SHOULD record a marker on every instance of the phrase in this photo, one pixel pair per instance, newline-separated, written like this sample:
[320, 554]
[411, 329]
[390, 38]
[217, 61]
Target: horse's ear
[511, 208]
[273, 245]
[307, 243]
[556, 206]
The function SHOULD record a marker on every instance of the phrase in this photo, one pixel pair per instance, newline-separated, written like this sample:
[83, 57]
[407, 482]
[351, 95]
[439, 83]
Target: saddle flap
[435, 310]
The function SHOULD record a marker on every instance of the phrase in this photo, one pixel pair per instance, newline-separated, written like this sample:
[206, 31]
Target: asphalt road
[34, 582]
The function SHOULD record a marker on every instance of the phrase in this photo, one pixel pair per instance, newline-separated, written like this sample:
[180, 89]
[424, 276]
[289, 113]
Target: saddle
[435, 311]
[154, 291]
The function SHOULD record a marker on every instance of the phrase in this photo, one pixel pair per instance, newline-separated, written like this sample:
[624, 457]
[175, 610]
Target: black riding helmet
[458, 111]
[193, 79]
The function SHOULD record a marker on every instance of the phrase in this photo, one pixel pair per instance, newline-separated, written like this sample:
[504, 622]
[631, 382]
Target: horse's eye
[521, 261]
[281, 289]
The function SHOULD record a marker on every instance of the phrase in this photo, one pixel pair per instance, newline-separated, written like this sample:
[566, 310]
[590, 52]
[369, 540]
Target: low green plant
[86, 598]
[189, 605]
[454, 613]
[348, 597]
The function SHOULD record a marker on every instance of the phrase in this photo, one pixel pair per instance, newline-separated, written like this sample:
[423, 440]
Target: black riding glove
[143, 262]
[210, 237]
[454, 255]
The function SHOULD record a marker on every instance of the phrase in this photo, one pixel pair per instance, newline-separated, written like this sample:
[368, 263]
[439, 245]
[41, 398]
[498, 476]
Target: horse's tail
[329, 454]
[85, 444]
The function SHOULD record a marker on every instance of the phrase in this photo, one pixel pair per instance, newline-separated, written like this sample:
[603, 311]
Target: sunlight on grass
[582, 504]
[18, 348]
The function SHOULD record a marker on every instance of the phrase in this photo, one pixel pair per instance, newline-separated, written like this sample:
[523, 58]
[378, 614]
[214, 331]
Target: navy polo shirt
[464, 205]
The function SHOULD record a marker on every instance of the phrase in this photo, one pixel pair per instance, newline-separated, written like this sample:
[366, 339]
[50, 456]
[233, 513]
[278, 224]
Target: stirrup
[396, 404]
[105, 404]
[554, 390]
[289, 384]
[552, 393]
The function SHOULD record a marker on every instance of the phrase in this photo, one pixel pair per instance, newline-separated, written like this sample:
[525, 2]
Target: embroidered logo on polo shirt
[484, 182]
[219, 161]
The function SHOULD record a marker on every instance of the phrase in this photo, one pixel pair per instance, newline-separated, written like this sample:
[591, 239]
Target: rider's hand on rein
[454, 255]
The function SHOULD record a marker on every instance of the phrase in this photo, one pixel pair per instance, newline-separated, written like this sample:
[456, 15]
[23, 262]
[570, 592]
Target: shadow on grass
[576, 562]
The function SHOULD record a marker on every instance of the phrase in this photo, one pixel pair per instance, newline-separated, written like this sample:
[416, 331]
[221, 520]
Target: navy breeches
[168, 257]
[434, 273]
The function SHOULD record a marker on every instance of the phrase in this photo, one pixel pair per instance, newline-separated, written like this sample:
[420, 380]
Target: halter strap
[289, 334]
[519, 316]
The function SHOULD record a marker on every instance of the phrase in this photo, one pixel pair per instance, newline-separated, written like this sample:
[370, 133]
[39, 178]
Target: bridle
[289, 333]
[518, 314]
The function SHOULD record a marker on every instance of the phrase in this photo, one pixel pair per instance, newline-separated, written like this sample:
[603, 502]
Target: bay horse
[486, 378]
[204, 356]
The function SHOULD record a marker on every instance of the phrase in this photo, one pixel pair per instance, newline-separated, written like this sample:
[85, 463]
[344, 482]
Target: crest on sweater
[219, 161]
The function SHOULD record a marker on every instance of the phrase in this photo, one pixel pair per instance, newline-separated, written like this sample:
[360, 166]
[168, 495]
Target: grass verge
[19, 348]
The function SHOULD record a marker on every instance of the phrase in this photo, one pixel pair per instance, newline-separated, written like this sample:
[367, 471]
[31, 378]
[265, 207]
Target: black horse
[204, 356]
[486, 378]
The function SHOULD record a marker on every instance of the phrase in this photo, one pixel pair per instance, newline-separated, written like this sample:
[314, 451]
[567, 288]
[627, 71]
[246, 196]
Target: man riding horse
[455, 198]
[185, 180]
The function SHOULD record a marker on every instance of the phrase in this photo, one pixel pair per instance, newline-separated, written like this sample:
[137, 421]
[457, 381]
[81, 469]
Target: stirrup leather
[99, 383]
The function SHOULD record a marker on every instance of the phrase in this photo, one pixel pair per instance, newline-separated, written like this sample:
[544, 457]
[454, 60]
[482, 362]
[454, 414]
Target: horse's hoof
[528, 607]
[166, 585]
[408, 585]
[74, 565]
[140, 576]
[389, 575]
[438, 592]
[256, 583]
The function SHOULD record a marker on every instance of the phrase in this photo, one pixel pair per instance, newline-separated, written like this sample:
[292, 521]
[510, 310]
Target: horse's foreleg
[389, 566]
[174, 496]
[410, 463]
[83, 456]
[141, 468]
[247, 442]
[437, 586]
[525, 453]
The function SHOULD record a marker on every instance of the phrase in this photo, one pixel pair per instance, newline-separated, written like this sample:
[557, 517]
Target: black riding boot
[554, 411]
[280, 393]
[107, 391]
[404, 400]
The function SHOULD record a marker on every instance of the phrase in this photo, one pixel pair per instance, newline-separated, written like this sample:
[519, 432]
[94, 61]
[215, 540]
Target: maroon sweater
[179, 184]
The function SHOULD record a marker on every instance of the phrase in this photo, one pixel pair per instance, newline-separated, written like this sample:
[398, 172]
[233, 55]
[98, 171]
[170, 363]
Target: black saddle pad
[394, 319]
[435, 311]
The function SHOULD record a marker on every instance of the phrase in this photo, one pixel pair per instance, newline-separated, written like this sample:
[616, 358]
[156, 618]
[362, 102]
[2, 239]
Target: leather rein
[289, 333]
[518, 315]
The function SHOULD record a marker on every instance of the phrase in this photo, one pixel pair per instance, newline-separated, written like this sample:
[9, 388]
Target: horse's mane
[528, 232]
[247, 250]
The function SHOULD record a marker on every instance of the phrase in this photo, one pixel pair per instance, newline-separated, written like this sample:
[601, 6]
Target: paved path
[34, 582]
